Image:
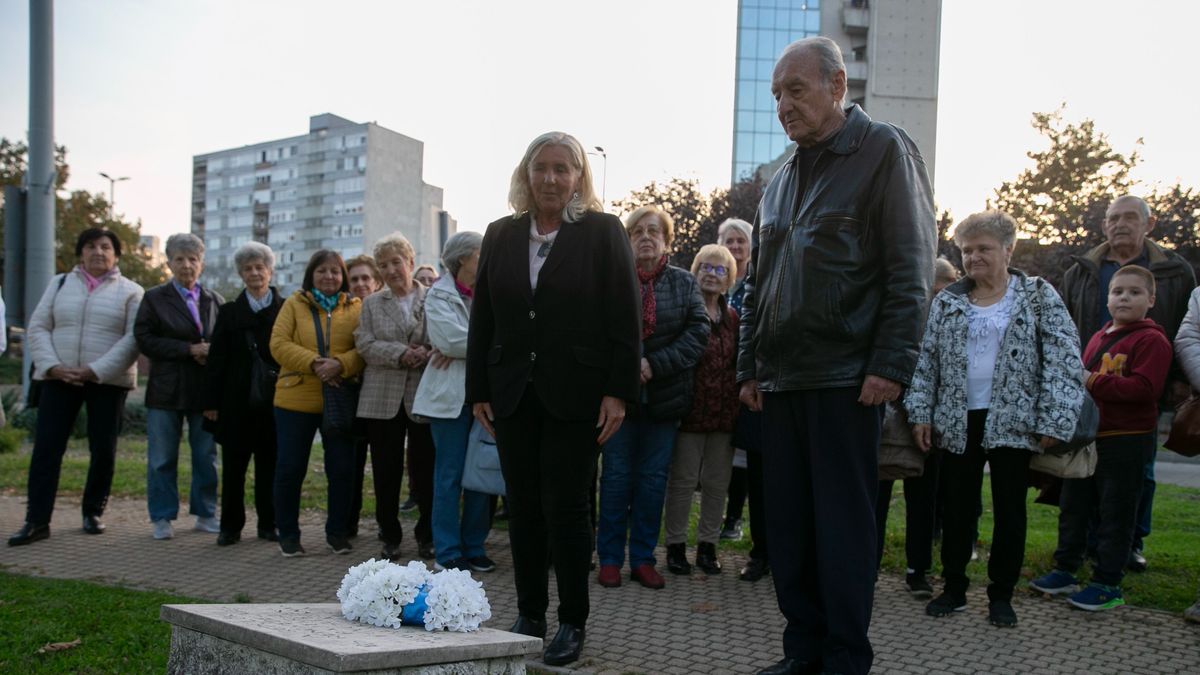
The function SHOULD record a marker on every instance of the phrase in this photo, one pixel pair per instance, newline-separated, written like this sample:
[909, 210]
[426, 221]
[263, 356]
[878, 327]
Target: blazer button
[532, 356]
[532, 314]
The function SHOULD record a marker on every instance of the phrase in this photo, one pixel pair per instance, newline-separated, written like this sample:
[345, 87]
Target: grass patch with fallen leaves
[60, 626]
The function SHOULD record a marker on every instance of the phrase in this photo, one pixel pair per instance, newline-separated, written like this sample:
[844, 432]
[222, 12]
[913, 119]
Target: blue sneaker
[1097, 597]
[1057, 582]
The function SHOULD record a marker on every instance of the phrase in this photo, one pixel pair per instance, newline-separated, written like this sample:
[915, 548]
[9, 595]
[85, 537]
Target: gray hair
[458, 248]
[734, 223]
[944, 270]
[251, 251]
[520, 190]
[184, 242]
[829, 54]
[397, 242]
[995, 224]
[1143, 207]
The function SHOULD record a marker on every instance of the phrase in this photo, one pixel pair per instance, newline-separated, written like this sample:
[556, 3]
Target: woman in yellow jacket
[324, 300]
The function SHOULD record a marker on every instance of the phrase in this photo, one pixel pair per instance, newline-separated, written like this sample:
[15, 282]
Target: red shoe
[609, 576]
[647, 576]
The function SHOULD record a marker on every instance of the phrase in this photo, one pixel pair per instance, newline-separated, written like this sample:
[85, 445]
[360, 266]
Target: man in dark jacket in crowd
[1085, 289]
[840, 273]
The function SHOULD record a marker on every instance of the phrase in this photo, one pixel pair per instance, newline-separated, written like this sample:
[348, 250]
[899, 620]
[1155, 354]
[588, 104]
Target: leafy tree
[1178, 226]
[696, 215]
[77, 212]
[1062, 198]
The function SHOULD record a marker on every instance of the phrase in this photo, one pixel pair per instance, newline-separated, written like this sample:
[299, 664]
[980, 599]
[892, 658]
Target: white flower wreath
[376, 592]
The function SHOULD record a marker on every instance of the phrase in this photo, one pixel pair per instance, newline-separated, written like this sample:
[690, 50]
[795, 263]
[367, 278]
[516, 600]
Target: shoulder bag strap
[317, 327]
[1106, 346]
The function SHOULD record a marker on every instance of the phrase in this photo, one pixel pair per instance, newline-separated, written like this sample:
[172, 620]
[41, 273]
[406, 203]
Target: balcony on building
[856, 17]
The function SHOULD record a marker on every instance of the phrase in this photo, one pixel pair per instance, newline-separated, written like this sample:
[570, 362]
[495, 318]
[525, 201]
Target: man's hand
[612, 413]
[923, 436]
[647, 373]
[876, 390]
[483, 414]
[199, 352]
[210, 415]
[750, 395]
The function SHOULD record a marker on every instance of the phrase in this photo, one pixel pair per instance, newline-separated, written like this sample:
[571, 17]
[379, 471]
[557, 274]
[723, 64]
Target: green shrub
[134, 422]
[11, 439]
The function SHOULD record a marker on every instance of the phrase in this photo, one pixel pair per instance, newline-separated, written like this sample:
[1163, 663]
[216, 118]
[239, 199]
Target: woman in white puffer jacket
[84, 353]
[1187, 354]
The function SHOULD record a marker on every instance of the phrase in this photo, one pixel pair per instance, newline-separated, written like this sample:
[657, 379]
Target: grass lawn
[118, 628]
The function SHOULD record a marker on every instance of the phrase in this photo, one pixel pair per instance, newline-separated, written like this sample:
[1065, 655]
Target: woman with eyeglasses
[703, 451]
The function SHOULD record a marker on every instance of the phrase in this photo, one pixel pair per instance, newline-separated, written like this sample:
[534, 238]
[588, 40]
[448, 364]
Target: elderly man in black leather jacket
[841, 268]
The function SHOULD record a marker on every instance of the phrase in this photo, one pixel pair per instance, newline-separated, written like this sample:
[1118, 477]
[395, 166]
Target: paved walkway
[695, 625]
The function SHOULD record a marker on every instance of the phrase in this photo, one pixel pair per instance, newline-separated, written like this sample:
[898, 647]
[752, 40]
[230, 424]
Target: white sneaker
[207, 524]
[163, 529]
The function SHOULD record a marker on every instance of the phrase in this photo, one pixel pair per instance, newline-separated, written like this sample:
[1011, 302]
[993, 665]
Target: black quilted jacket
[674, 349]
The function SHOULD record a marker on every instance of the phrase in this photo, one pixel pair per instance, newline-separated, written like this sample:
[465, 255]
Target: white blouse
[539, 250]
[985, 331]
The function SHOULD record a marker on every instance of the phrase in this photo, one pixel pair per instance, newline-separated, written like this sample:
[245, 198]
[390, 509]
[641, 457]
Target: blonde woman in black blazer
[552, 359]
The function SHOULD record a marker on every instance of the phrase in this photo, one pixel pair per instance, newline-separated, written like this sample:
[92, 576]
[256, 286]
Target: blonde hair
[996, 224]
[520, 190]
[640, 212]
[717, 251]
[395, 242]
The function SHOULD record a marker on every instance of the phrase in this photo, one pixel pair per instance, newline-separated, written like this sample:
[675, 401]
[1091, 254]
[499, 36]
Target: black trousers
[386, 438]
[736, 493]
[256, 440]
[758, 507]
[962, 478]
[1114, 492]
[820, 474]
[57, 410]
[920, 501]
[548, 465]
[361, 450]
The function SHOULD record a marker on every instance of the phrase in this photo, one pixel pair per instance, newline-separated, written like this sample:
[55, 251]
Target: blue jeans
[633, 487]
[453, 537]
[164, 428]
[294, 433]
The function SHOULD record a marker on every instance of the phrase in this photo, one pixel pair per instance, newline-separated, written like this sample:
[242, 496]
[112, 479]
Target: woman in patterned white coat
[998, 379]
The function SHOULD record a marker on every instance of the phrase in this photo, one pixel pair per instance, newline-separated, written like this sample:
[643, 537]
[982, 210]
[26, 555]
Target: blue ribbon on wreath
[413, 614]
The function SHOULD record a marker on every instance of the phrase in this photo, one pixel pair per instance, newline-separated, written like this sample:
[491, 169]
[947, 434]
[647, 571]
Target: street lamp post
[112, 191]
[604, 175]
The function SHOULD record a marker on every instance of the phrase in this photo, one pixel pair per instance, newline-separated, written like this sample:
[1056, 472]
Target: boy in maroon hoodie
[1126, 364]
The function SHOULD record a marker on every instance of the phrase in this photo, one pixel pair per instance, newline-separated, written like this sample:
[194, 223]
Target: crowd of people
[616, 386]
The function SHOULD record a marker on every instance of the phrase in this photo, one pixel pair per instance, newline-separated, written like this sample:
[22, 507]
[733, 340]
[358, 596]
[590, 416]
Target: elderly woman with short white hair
[441, 396]
[174, 327]
[240, 392]
[391, 339]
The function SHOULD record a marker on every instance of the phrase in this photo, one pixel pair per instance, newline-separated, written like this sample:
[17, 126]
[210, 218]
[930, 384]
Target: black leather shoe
[228, 538]
[755, 569]
[706, 558]
[677, 562]
[791, 667]
[92, 525]
[530, 627]
[391, 551]
[565, 647]
[268, 535]
[1137, 561]
[28, 534]
[425, 550]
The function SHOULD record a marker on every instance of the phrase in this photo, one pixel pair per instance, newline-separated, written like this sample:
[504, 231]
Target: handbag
[1185, 428]
[340, 403]
[1079, 463]
[1087, 425]
[481, 470]
[899, 456]
[262, 377]
[34, 395]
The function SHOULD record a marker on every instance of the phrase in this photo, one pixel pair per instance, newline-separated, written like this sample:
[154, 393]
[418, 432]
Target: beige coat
[72, 327]
[382, 338]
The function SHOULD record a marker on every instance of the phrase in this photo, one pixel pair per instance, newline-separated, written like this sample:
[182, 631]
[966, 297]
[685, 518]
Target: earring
[575, 197]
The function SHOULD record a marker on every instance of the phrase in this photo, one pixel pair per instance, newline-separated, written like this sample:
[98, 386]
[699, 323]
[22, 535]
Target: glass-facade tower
[765, 27]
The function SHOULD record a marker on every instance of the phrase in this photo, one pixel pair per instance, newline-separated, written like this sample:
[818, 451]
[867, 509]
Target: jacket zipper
[787, 249]
[87, 300]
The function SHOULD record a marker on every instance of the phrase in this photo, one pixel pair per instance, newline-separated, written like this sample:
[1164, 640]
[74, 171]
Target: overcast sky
[143, 85]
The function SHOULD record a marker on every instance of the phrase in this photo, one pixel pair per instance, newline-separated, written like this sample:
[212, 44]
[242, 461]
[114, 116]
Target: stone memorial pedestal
[315, 638]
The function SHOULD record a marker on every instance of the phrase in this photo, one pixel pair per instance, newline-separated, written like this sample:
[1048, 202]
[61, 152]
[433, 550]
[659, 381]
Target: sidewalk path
[695, 625]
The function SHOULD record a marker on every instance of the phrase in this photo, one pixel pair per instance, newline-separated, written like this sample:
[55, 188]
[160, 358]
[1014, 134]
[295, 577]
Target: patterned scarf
[649, 307]
[325, 302]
